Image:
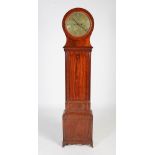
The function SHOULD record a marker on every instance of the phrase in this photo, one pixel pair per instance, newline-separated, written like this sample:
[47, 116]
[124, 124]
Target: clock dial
[78, 24]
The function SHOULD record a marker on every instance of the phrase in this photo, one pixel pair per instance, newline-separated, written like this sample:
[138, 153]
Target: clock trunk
[77, 117]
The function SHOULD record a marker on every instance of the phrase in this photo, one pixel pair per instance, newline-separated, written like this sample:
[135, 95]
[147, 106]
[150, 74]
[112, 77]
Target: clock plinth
[77, 128]
[77, 117]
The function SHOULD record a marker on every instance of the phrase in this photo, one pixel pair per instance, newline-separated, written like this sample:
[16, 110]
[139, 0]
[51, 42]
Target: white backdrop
[52, 76]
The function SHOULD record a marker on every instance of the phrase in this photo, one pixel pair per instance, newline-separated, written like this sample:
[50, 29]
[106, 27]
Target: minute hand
[79, 24]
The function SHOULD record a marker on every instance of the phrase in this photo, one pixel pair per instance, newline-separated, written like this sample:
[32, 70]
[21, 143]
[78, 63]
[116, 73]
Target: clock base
[77, 128]
[77, 142]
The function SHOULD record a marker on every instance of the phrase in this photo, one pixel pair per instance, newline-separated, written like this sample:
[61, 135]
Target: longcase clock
[78, 25]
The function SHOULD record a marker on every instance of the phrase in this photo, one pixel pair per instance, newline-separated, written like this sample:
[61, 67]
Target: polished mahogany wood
[77, 117]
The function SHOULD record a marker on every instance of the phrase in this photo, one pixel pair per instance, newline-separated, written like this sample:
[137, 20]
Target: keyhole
[77, 56]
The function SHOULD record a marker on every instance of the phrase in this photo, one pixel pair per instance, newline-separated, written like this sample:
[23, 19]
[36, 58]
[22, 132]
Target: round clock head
[78, 23]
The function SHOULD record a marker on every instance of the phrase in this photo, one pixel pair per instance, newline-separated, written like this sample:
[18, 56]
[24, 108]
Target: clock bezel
[68, 34]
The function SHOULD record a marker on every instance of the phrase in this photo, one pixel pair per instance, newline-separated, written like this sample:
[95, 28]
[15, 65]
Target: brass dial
[78, 24]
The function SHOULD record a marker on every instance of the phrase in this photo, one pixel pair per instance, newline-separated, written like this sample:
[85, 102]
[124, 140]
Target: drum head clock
[78, 25]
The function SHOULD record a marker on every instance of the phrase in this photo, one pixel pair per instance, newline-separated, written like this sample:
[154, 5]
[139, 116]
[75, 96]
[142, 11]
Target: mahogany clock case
[77, 117]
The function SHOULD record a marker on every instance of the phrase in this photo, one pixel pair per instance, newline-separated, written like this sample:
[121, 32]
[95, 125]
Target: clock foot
[77, 143]
[91, 144]
[63, 144]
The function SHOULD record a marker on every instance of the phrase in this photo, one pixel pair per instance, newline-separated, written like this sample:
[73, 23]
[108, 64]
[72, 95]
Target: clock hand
[80, 25]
